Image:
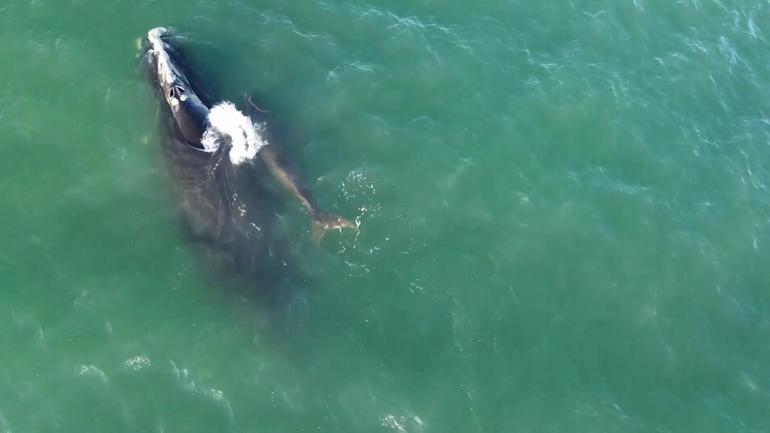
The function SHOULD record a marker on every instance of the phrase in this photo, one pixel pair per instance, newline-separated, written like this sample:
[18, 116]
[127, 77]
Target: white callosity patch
[225, 121]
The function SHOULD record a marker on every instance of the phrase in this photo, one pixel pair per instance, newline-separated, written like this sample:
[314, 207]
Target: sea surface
[563, 215]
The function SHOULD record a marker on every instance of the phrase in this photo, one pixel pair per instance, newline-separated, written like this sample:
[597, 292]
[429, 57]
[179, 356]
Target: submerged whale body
[214, 154]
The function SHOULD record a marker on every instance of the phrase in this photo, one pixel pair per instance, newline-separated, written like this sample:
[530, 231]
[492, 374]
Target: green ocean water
[564, 220]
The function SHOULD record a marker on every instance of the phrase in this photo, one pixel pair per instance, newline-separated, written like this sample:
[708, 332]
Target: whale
[215, 156]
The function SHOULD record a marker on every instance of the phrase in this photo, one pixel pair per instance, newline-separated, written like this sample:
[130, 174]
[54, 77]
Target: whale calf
[212, 151]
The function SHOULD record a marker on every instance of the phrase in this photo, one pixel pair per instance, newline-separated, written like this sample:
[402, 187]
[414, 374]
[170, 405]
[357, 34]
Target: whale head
[188, 112]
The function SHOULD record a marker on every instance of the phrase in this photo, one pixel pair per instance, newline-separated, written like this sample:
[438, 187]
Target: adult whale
[210, 150]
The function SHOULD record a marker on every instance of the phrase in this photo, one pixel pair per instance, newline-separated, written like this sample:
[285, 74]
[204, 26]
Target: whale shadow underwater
[224, 166]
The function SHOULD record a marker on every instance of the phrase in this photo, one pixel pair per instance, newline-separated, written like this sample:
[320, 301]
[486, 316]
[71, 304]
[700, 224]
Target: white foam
[227, 121]
[138, 362]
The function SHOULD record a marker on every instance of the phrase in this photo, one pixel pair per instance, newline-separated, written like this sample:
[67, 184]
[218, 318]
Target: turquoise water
[564, 220]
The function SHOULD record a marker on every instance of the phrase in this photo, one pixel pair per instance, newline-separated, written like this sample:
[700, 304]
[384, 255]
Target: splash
[227, 121]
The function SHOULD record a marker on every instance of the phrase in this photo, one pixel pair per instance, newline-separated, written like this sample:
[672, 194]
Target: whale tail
[323, 222]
